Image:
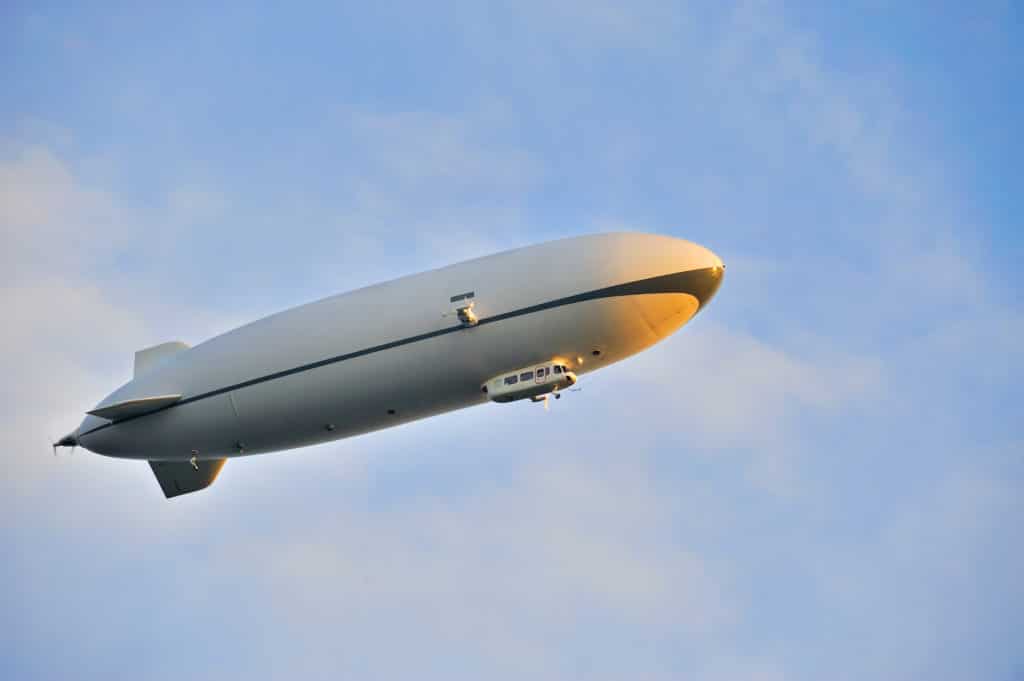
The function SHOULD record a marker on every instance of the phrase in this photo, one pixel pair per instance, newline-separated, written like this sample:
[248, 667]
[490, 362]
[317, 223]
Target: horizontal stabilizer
[181, 477]
[150, 358]
[128, 408]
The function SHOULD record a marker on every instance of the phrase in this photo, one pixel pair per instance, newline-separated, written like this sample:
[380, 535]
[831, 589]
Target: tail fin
[181, 477]
[129, 408]
[148, 359]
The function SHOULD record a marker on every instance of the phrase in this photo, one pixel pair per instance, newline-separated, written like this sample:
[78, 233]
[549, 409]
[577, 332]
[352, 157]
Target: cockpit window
[511, 380]
[558, 369]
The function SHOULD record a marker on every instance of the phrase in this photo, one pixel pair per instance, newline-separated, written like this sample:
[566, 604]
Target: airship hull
[397, 352]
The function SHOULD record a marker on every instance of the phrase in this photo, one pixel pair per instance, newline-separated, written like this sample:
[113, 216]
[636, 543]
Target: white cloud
[514, 566]
[714, 390]
[72, 325]
[53, 228]
[49, 221]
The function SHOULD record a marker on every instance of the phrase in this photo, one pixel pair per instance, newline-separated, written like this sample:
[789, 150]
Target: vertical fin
[148, 359]
[180, 477]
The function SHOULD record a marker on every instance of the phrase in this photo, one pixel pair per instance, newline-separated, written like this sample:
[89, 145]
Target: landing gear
[194, 460]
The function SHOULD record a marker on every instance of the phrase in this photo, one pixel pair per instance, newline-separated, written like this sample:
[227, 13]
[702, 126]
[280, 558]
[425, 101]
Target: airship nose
[712, 280]
[687, 267]
[706, 277]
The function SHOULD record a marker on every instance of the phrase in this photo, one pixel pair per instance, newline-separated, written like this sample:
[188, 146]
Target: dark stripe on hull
[701, 284]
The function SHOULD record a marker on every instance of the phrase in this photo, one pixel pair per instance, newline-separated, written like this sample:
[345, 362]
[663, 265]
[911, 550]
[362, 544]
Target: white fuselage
[395, 352]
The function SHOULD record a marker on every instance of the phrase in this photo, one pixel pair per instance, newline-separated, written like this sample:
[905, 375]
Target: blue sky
[818, 478]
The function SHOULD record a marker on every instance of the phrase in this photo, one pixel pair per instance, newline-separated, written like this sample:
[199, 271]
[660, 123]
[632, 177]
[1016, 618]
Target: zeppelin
[522, 324]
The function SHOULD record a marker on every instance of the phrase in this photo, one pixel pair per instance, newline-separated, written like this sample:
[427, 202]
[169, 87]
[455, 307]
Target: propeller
[67, 441]
[55, 445]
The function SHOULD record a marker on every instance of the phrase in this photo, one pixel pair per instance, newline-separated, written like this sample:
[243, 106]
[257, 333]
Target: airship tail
[182, 477]
[148, 359]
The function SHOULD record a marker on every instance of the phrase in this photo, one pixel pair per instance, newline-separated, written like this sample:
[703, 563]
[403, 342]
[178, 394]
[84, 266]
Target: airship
[521, 325]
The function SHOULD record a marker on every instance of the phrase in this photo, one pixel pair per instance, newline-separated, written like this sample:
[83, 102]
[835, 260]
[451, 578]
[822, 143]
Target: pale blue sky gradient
[819, 478]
